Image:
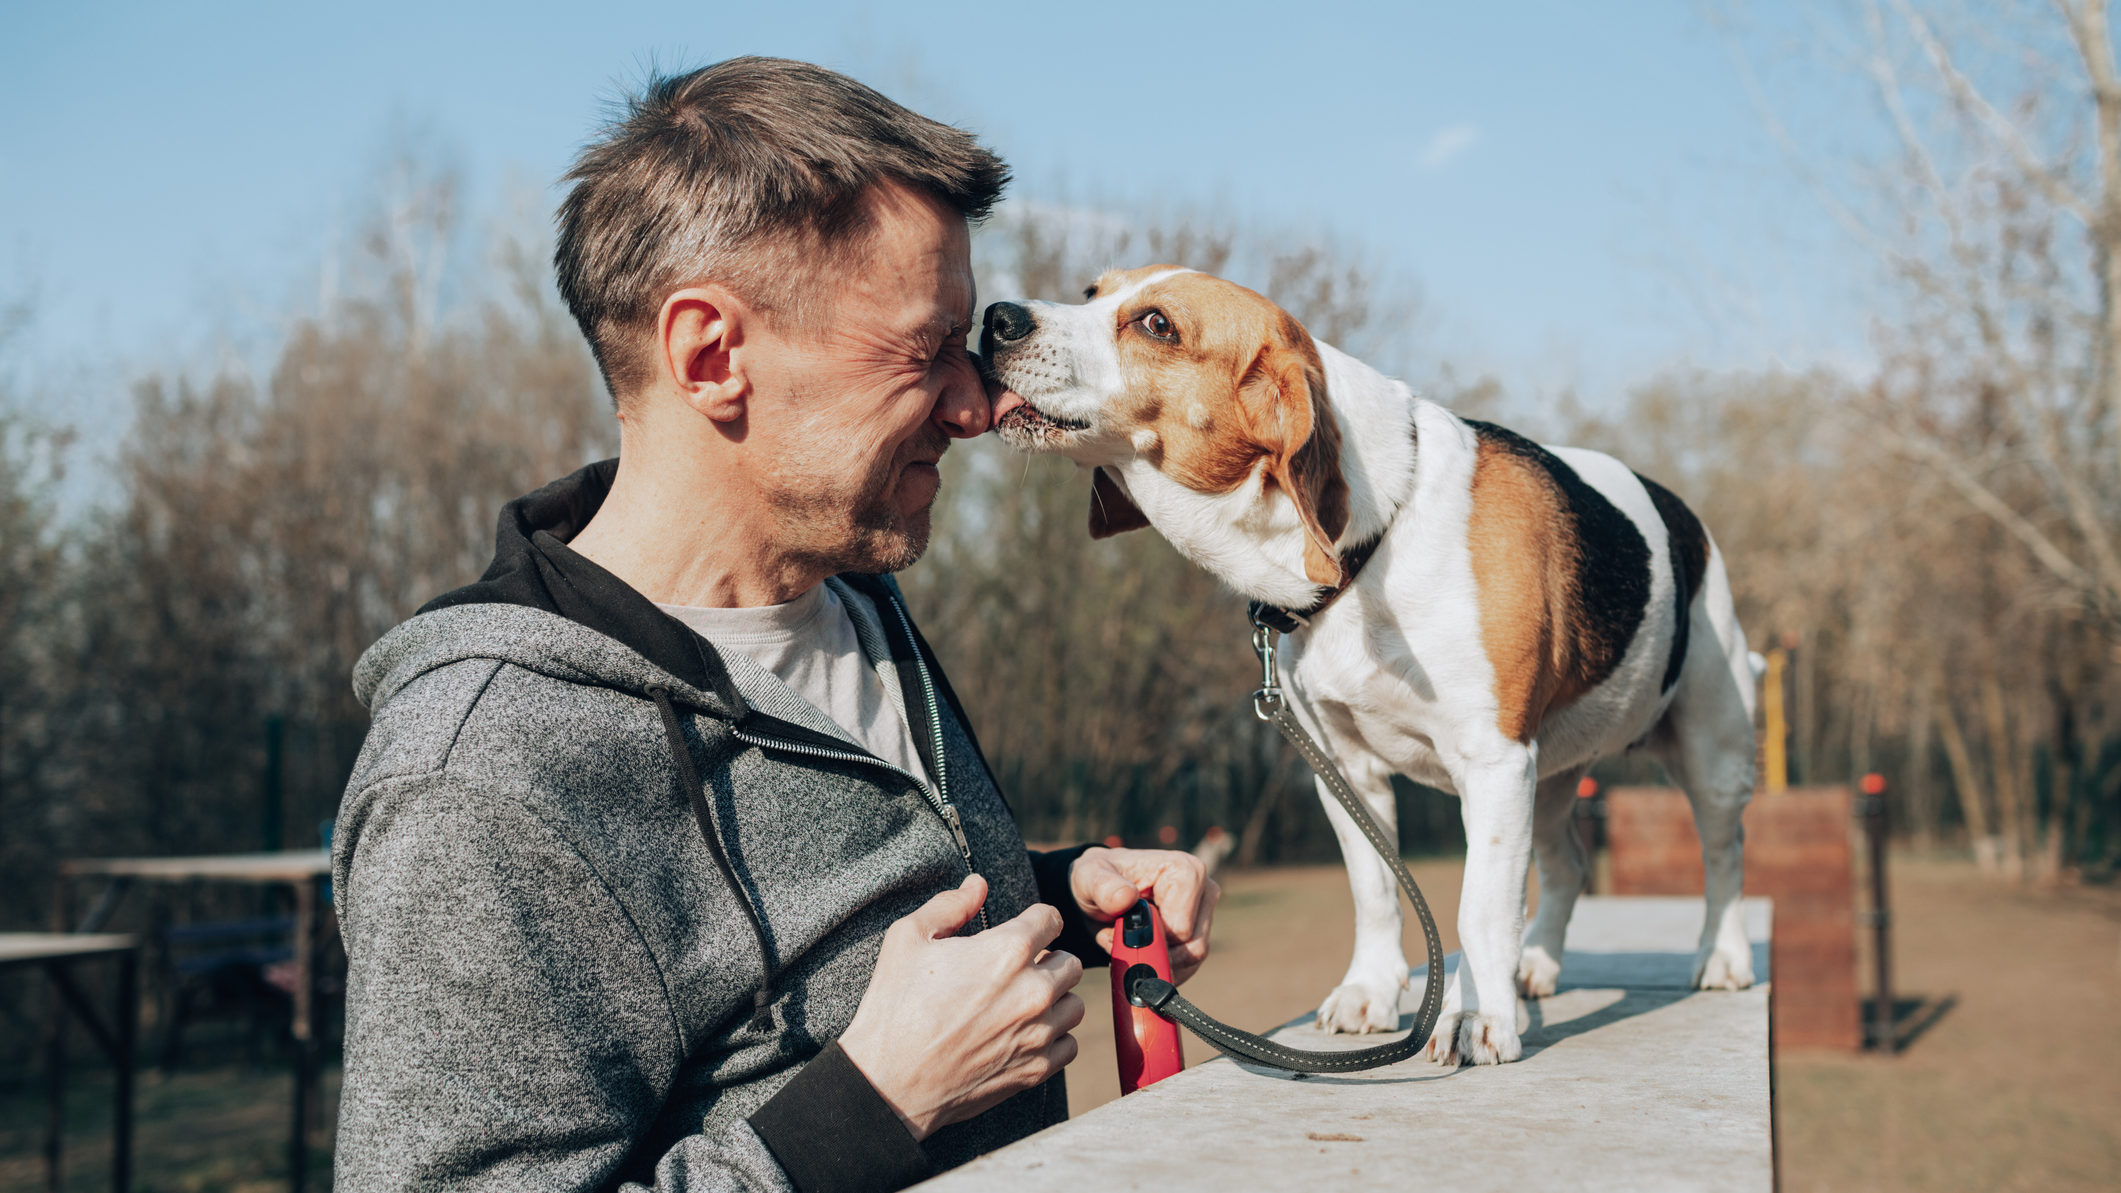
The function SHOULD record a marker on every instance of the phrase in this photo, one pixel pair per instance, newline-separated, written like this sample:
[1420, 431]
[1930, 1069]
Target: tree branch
[2000, 126]
[1981, 497]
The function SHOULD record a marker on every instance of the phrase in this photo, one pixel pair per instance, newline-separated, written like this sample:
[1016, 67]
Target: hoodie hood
[547, 608]
[612, 636]
[534, 639]
[534, 567]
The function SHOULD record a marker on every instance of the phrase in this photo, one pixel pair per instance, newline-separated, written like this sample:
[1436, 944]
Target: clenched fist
[952, 1025]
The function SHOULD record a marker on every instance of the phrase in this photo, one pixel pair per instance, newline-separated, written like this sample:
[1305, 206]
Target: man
[671, 860]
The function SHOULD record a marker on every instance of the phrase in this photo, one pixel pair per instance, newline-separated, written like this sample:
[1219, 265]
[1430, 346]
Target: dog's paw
[1721, 969]
[1537, 971]
[1488, 1040]
[1442, 1048]
[1473, 1039]
[1359, 1007]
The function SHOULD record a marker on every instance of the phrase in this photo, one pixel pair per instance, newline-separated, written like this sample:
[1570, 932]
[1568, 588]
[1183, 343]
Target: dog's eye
[1158, 326]
[1089, 291]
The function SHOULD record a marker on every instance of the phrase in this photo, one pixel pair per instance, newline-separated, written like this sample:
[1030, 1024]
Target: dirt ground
[2016, 1087]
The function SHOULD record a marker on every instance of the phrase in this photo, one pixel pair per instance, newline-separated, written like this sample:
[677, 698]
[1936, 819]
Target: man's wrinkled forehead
[912, 271]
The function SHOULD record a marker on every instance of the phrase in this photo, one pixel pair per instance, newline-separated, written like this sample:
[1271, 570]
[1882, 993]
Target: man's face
[849, 419]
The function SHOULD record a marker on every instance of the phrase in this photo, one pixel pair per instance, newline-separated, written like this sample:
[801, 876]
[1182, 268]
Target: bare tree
[270, 527]
[1999, 223]
[36, 634]
[1995, 220]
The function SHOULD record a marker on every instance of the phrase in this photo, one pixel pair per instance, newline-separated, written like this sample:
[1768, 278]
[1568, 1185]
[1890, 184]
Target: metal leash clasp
[1267, 700]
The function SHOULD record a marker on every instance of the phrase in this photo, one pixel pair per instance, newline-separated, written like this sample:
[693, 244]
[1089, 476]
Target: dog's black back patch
[1612, 563]
[1689, 545]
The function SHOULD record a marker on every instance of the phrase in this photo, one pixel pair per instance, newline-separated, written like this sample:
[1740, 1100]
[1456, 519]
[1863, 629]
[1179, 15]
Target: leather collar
[1288, 621]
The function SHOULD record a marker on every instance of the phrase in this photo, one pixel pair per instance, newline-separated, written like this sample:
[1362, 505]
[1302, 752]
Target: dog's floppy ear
[1284, 391]
[1111, 510]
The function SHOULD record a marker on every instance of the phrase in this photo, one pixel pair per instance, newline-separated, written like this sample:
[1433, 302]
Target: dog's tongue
[1004, 402]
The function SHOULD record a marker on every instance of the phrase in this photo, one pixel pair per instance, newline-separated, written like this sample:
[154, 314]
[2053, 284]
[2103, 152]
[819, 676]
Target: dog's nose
[1007, 321]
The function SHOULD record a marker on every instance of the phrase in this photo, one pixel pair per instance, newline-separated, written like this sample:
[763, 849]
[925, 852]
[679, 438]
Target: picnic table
[305, 871]
[57, 953]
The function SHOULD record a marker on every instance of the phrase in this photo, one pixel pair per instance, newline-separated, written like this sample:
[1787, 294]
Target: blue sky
[1583, 192]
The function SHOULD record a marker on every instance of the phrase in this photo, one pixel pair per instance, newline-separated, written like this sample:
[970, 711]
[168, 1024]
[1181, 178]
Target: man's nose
[1006, 323]
[965, 408]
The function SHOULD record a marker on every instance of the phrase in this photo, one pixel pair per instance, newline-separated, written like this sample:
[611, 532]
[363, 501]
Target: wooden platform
[1630, 1081]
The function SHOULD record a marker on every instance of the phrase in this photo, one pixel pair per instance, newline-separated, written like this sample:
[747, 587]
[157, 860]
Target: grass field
[2017, 1086]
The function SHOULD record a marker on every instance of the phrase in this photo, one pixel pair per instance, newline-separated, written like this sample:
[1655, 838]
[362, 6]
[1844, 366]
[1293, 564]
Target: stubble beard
[835, 525]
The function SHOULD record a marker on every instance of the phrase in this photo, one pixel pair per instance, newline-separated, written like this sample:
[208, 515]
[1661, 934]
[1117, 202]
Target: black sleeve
[833, 1133]
[1078, 931]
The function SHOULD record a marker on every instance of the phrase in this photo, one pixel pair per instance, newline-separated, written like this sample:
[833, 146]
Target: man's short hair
[751, 173]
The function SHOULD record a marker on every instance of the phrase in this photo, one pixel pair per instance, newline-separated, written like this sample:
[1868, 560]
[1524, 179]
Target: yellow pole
[1775, 729]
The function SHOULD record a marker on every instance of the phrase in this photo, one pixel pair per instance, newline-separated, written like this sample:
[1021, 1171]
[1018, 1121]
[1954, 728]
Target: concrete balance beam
[1629, 1081]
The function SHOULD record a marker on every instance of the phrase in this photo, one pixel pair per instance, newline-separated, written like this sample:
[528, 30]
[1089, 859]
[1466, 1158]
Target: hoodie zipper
[935, 720]
[937, 794]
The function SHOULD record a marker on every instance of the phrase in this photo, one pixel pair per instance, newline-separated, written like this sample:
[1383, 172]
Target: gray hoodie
[608, 897]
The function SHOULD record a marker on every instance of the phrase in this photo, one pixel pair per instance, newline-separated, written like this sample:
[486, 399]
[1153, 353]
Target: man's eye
[1158, 326]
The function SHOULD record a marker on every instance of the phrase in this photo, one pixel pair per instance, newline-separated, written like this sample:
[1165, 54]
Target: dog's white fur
[1393, 677]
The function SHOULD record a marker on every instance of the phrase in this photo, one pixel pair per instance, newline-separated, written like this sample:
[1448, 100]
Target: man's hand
[952, 1025]
[1106, 882]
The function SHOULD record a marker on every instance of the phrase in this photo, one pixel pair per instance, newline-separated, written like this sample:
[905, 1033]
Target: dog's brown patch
[1563, 577]
[1238, 385]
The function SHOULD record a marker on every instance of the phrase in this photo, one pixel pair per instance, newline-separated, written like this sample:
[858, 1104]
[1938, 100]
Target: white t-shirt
[810, 644]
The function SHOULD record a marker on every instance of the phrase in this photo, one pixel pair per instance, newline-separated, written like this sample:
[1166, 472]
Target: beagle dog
[1479, 612]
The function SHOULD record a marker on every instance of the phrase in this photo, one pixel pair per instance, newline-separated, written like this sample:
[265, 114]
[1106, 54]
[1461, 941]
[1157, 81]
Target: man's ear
[700, 335]
[1285, 393]
[1111, 510]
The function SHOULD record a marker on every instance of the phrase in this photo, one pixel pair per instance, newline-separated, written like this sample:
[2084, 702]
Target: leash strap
[1161, 996]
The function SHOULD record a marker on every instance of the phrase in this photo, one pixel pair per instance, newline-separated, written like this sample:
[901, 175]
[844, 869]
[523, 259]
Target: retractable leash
[1148, 1043]
[1142, 983]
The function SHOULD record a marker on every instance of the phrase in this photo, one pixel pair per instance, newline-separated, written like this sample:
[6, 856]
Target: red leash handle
[1148, 1043]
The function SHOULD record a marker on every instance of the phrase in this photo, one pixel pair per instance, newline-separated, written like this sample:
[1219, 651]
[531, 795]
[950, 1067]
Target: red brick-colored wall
[1797, 852]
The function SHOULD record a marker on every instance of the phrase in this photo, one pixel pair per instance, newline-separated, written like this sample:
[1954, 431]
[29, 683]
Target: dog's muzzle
[1003, 341]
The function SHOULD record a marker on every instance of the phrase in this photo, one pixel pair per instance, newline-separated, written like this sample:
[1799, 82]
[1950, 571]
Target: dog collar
[1288, 621]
